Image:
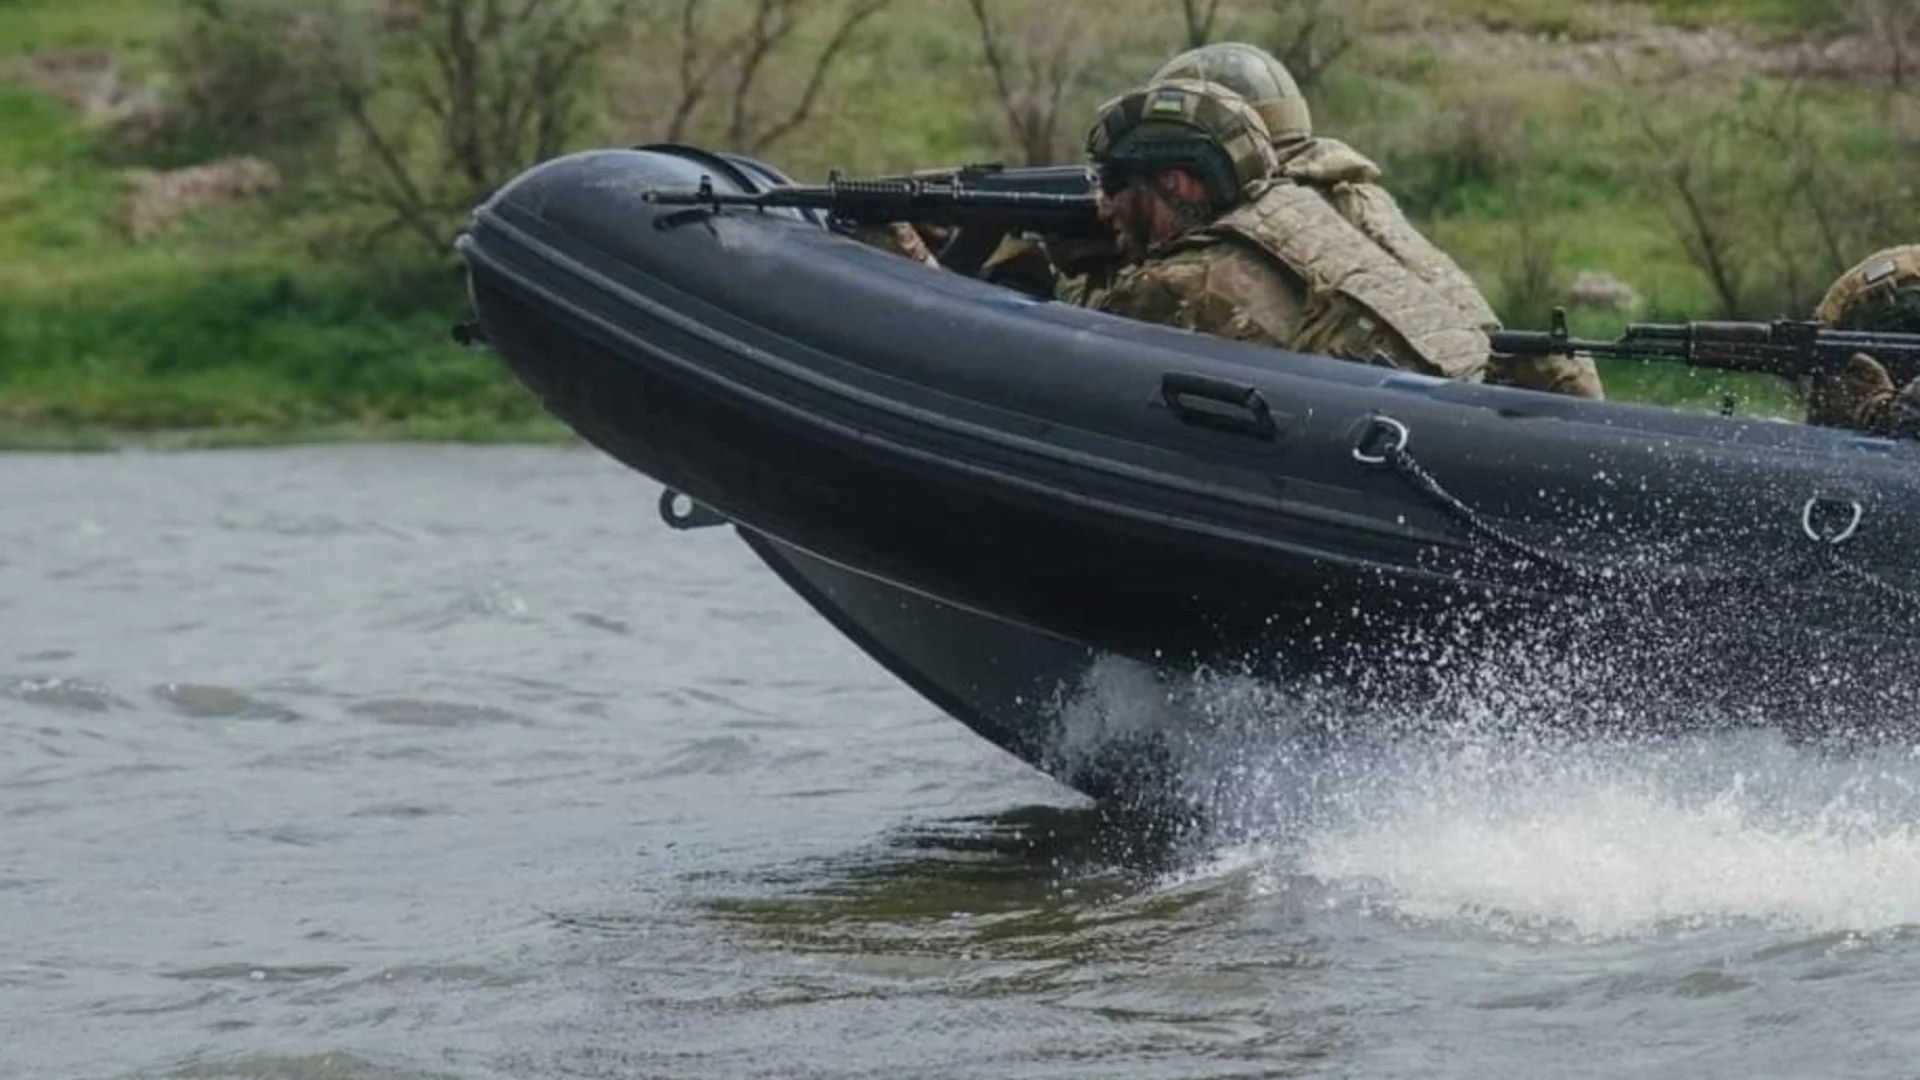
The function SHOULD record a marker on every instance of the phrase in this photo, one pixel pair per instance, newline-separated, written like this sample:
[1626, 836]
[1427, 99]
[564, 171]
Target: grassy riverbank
[232, 328]
[1507, 127]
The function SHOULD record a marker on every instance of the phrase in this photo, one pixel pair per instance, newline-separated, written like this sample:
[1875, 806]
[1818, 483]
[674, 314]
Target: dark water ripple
[376, 762]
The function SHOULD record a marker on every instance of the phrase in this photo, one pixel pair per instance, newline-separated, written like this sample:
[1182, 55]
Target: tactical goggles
[1116, 178]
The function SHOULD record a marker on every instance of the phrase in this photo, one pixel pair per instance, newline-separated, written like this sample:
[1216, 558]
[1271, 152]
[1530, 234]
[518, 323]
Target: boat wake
[1611, 841]
[1474, 813]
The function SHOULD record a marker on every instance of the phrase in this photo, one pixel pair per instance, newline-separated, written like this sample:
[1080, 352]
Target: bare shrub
[465, 94]
[1199, 17]
[1695, 168]
[1449, 152]
[748, 75]
[1766, 197]
[1034, 64]
[1824, 206]
[252, 75]
[1890, 29]
[1529, 279]
[1311, 36]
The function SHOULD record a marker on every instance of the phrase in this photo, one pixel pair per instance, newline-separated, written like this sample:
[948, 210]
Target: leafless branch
[1892, 29]
[1200, 16]
[496, 90]
[1311, 36]
[732, 70]
[1031, 78]
[816, 80]
[1692, 189]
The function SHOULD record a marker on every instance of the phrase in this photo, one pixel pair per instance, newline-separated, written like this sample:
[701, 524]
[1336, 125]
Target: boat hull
[1183, 501]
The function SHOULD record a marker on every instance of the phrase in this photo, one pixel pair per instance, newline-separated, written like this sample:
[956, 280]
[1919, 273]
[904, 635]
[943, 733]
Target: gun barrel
[1523, 342]
[1545, 343]
[1732, 333]
[1744, 333]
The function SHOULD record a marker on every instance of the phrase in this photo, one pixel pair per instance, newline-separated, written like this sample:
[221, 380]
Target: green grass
[57, 205]
[229, 329]
[128, 27]
[263, 345]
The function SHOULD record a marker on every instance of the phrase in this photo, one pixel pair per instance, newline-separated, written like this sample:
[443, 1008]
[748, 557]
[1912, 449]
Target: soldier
[1350, 183]
[1881, 293]
[1212, 238]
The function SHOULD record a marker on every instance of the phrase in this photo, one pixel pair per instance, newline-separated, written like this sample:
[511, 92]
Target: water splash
[1471, 811]
[1625, 840]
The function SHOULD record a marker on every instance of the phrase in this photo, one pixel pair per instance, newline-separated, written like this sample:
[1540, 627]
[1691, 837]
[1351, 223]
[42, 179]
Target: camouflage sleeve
[1902, 415]
[1080, 291]
[1186, 291]
[1865, 399]
[1572, 375]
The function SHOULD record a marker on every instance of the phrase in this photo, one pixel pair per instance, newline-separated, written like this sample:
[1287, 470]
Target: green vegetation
[129, 27]
[321, 308]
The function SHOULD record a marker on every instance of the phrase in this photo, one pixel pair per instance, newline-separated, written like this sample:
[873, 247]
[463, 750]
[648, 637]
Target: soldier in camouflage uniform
[1881, 293]
[1213, 238]
[1350, 183]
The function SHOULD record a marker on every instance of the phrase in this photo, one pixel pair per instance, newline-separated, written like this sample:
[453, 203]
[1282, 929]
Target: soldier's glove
[1084, 257]
[899, 238]
[1864, 398]
[1904, 411]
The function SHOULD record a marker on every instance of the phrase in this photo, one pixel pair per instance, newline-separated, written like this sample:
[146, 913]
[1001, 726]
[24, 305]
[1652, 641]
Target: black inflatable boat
[1048, 481]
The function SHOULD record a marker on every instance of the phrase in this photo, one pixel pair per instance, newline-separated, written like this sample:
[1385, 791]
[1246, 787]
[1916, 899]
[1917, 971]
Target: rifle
[953, 201]
[1789, 347]
[984, 202]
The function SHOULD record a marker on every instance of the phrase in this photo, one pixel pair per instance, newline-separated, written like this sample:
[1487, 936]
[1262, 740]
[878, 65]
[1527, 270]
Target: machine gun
[1788, 347]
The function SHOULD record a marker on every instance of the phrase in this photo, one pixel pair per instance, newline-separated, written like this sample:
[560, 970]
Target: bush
[252, 76]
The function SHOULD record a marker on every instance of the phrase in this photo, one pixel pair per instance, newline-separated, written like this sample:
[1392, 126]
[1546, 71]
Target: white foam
[1503, 828]
[1613, 851]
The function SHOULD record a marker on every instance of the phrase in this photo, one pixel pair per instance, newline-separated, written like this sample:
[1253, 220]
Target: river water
[381, 762]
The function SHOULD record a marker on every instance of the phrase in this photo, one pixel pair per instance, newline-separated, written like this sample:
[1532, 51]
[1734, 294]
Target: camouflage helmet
[1186, 122]
[1254, 74]
[1882, 292]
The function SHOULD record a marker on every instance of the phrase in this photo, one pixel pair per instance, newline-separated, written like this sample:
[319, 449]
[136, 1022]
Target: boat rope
[1396, 457]
[1825, 550]
[1859, 573]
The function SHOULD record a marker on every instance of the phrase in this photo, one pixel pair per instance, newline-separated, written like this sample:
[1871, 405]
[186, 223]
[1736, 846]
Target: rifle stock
[1792, 348]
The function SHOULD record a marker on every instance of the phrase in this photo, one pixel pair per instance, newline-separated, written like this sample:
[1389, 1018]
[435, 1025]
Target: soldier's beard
[1139, 228]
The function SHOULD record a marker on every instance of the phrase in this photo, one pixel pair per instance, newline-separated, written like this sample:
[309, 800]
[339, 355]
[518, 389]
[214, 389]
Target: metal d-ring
[1841, 537]
[695, 516]
[1392, 427]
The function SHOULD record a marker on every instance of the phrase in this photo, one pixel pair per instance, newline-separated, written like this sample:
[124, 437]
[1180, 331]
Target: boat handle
[1205, 401]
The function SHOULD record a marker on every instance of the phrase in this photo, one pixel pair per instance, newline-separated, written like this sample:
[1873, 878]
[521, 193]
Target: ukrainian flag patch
[1167, 103]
